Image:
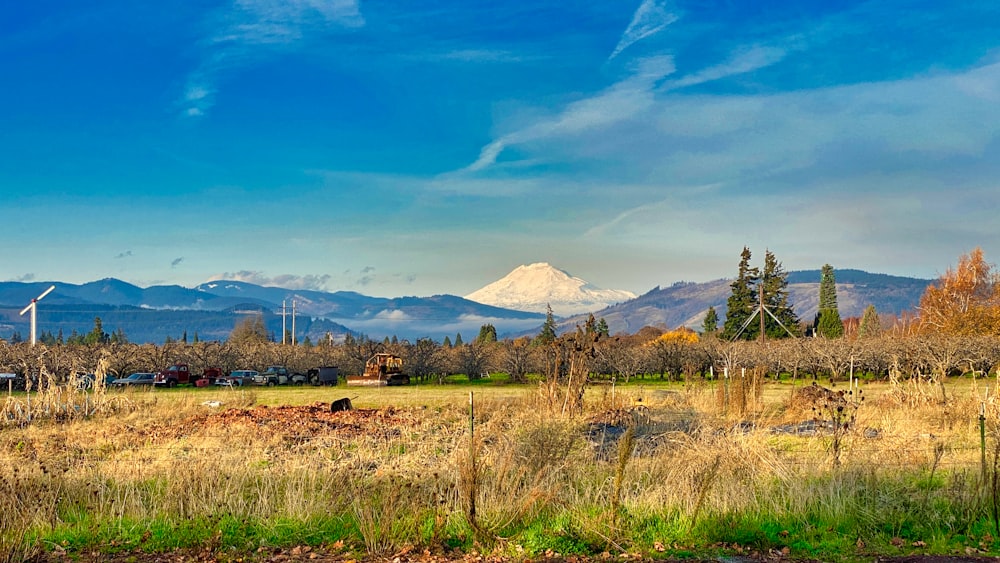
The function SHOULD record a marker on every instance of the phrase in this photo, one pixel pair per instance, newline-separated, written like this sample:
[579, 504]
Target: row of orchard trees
[650, 353]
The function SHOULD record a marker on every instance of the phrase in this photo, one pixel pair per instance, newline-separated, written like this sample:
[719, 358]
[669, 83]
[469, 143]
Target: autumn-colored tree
[668, 352]
[964, 301]
[250, 330]
[682, 335]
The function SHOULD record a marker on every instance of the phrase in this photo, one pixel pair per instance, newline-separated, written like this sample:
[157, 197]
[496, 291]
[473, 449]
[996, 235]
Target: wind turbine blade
[35, 300]
[44, 293]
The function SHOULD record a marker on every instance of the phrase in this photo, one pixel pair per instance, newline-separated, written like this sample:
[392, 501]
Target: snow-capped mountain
[537, 286]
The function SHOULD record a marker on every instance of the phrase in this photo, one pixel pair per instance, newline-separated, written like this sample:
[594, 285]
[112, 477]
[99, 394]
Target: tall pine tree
[750, 286]
[742, 301]
[828, 323]
[711, 323]
[548, 332]
[774, 281]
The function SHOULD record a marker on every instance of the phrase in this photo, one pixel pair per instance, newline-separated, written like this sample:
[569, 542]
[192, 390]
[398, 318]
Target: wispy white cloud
[742, 61]
[623, 100]
[648, 212]
[176, 262]
[246, 30]
[287, 281]
[473, 56]
[650, 18]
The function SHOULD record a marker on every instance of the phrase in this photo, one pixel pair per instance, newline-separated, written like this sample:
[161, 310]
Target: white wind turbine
[33, 306]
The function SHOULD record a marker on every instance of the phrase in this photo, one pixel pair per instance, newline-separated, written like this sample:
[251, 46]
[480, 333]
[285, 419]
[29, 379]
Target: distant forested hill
[685, 303]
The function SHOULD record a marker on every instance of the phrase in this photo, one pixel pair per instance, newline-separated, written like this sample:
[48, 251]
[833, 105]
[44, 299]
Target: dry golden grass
[401, 466]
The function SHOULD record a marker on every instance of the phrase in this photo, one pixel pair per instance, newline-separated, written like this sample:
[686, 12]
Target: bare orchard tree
[356, 352]
[422, 359]
[623, 357]
[983, 355]
[474, 359]
[790, 354]
[944, 354]
[835, 355]
[210, 354]
[123, 359]
[518, 358]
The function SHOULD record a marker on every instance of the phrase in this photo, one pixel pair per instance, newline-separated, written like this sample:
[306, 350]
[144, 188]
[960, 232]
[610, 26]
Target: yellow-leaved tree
[964, 301]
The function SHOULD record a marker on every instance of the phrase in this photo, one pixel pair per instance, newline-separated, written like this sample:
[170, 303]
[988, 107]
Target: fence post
[982, 440]
[473, 469]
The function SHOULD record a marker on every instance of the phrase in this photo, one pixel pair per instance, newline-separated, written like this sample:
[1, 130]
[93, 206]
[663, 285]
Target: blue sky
[431, 146]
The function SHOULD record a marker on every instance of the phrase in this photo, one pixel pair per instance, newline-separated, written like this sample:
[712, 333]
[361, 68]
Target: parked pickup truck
[278, 375]
[180, 373]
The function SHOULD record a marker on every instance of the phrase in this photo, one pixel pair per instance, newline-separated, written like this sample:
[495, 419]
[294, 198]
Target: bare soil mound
[305, 421]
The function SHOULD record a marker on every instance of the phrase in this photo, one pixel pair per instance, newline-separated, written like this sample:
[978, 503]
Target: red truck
[180, 373]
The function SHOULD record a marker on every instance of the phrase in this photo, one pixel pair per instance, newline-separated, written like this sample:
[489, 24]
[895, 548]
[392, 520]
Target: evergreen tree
[827, 288]
[870, 324]
[742, 302]
[59, 337]
[184, 337]
[195, 339]
[97, 335]
[446, 342]
[828, 323]
[602, 328]
[487, 333]
[774, 282]
[458, 339]
[16, 338]
[307, 342]
[548, 333]
[711, 322]
[119, 337]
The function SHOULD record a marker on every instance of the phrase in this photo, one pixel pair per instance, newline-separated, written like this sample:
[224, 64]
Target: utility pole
[283, 330]
[293, 322]
[761, 312]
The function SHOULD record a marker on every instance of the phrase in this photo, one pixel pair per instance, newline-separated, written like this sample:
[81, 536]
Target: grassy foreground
[658, 470]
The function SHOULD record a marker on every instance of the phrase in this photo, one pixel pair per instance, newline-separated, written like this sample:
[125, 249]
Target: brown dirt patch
[304, 422]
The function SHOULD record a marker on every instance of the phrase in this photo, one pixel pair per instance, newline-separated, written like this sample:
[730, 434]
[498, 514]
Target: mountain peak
[535, 287]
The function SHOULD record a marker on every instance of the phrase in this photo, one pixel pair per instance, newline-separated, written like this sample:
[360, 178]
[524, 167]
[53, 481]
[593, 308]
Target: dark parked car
[237, 378]
[135, 379]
